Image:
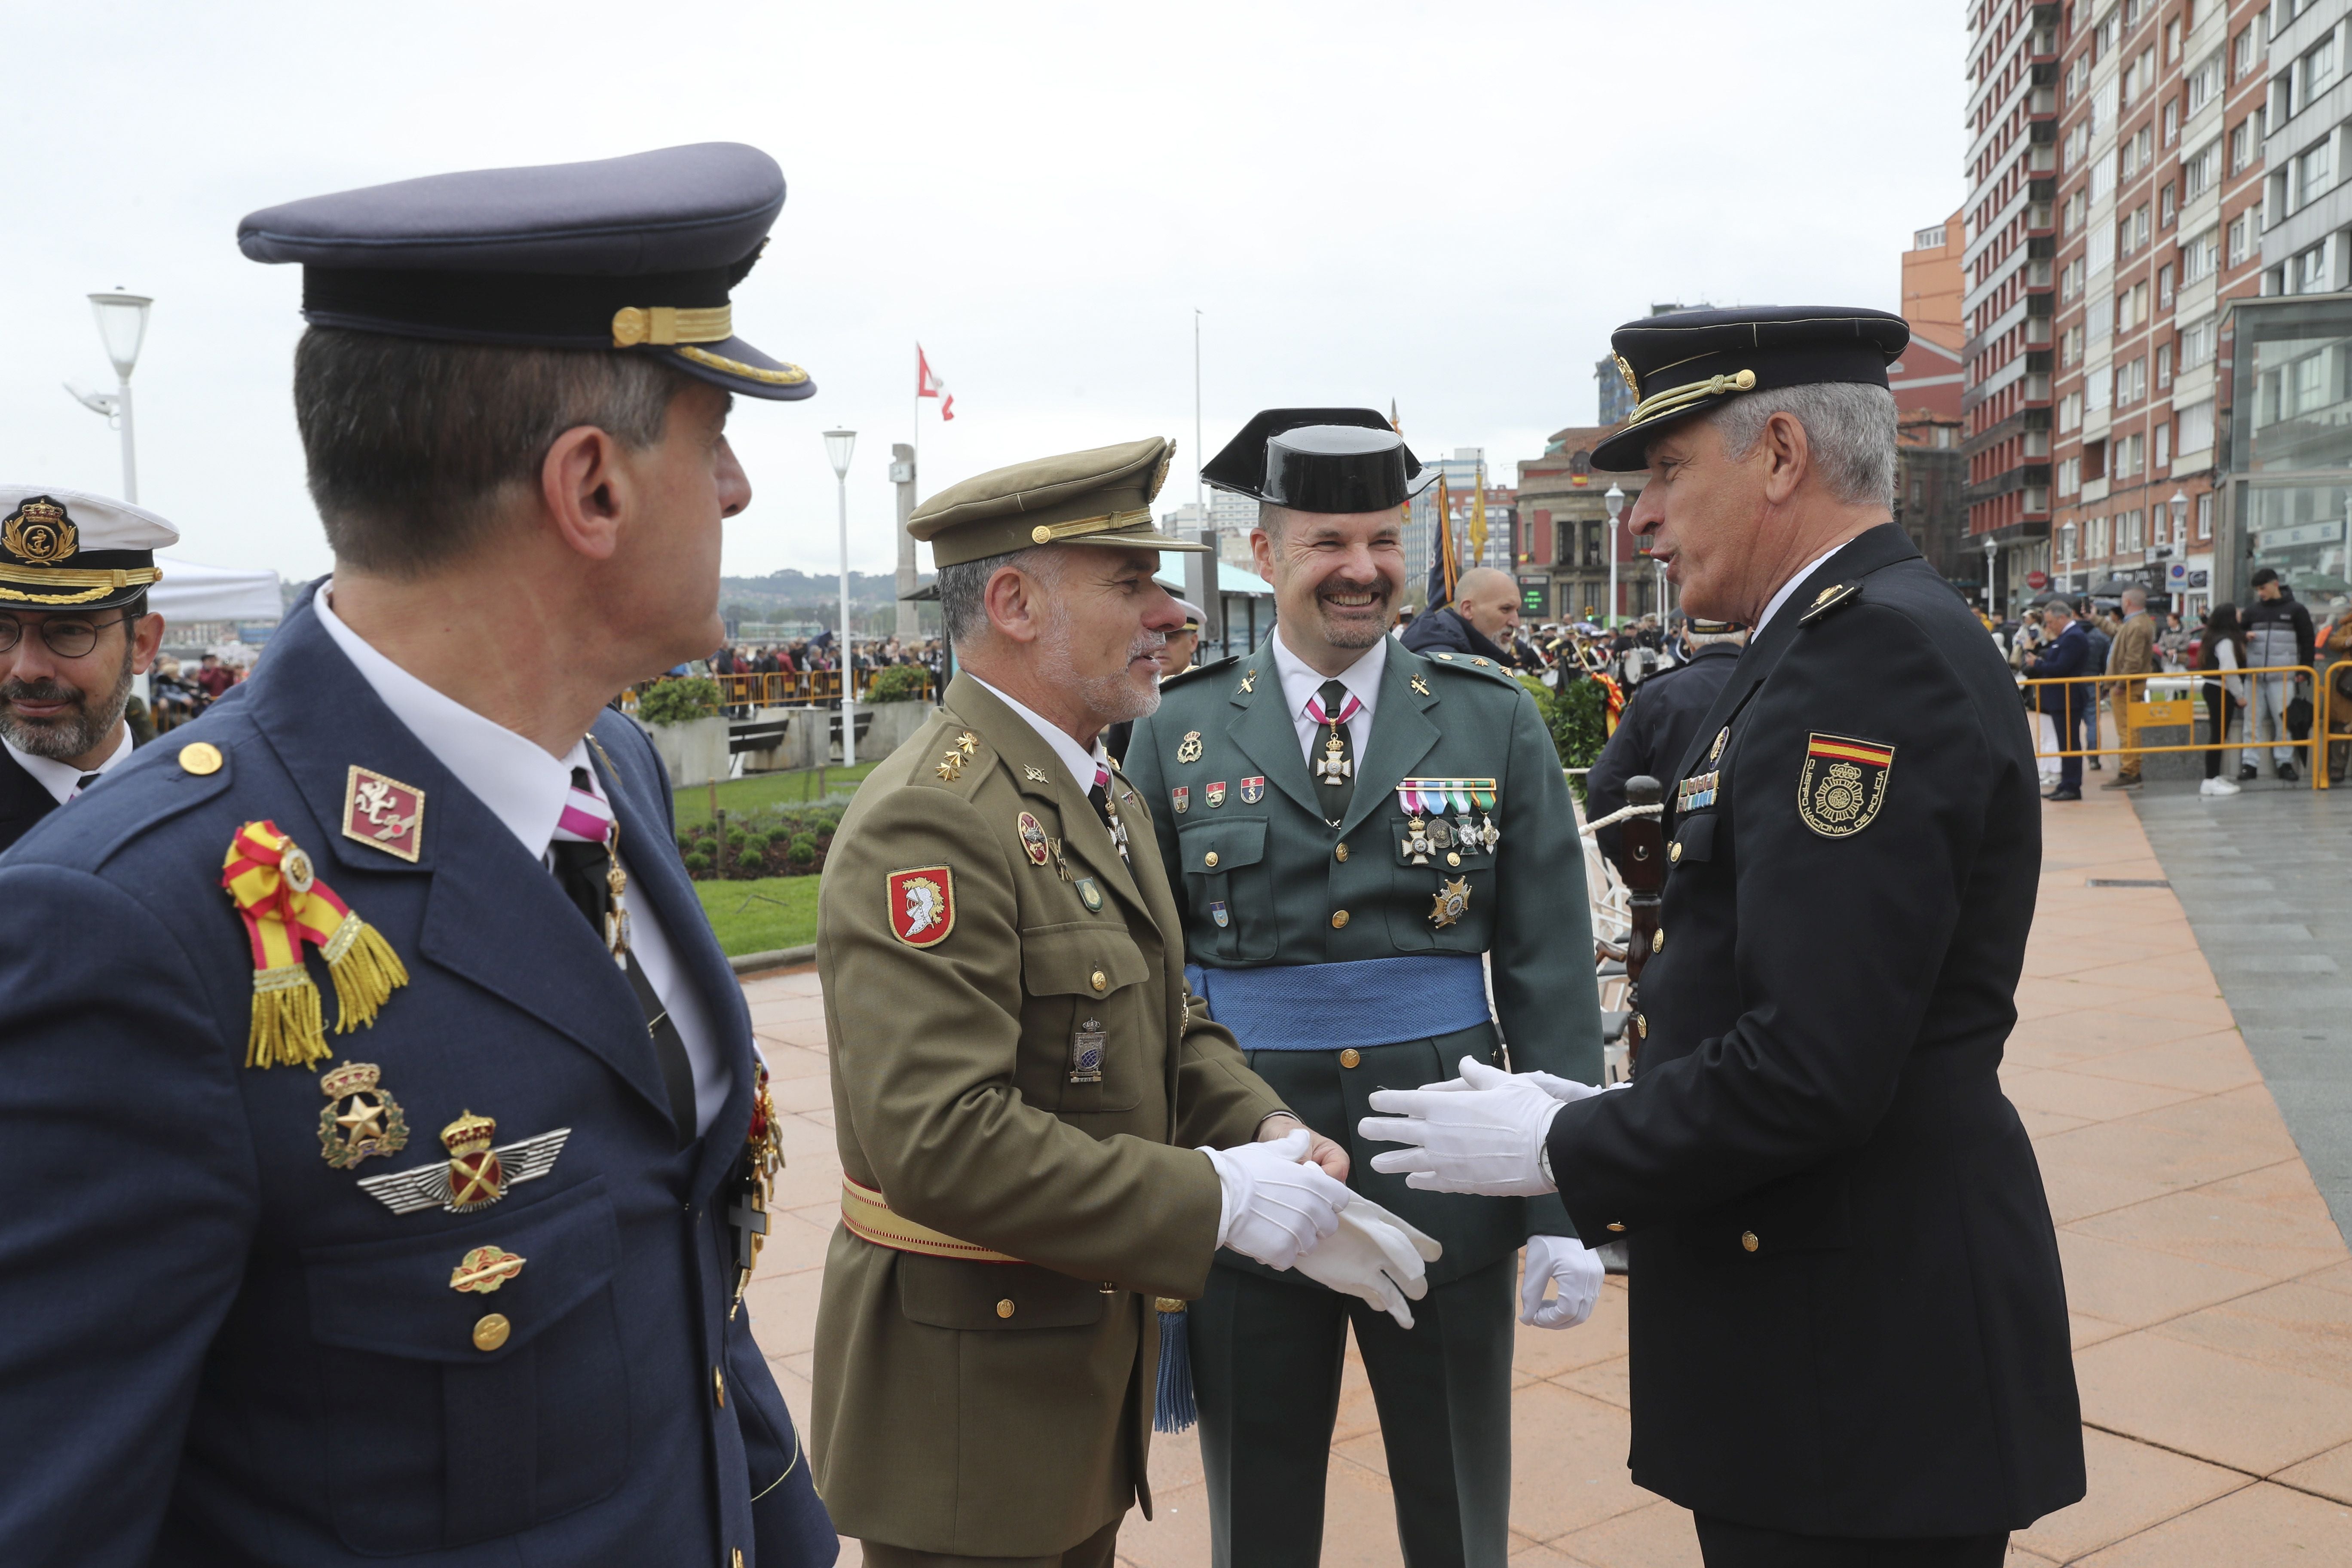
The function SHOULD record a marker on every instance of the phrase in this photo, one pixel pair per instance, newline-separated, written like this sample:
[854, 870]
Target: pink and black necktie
[581, 850]
[1335, 755]
[1100, 798]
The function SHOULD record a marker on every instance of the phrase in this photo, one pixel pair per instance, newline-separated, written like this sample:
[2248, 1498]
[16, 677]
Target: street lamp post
[1992, 548]
[1615, 502]
[838, 445]
[122, 327]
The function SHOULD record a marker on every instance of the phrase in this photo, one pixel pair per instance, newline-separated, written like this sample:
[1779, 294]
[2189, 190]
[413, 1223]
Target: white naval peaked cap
[70, 549]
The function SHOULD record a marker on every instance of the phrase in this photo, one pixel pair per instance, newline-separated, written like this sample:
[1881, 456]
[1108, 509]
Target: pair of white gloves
[1288, 1213]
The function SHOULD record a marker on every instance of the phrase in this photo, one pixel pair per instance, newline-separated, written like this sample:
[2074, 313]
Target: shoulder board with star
[1199, 670]
[956, 758]
[1472, 664]
[1829, 600]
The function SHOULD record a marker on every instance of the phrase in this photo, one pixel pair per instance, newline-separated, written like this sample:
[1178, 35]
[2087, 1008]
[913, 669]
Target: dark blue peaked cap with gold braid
[637, 255]
[1687, 362]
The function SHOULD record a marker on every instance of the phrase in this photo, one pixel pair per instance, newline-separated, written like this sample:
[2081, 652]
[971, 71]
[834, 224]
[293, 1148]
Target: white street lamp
[122, 327]
[1992, 548]
[1615, 502]
[838, 445]
[2179, 505]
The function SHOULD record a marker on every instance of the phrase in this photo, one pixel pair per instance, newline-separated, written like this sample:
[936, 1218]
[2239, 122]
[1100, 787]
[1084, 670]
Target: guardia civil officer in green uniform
[1848, 1333]
[1348, 827]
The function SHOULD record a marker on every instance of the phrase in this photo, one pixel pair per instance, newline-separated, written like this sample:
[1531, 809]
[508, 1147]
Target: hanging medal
[1333, 768]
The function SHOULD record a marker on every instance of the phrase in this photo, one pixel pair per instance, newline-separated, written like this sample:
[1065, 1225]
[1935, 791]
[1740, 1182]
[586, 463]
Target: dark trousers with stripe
[1266, 1358]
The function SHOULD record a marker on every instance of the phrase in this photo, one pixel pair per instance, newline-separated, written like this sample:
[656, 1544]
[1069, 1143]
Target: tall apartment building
[2013, 64]
[2159, 193]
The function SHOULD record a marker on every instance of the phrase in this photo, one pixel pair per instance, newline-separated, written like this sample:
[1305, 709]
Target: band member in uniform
[1353, 833]
[444, 1266]
[1849, 1330]
[1043, 1138]
[74, 632]
[1660, 719]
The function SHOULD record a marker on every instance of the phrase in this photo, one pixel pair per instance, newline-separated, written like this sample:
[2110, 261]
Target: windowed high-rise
[2005, 308]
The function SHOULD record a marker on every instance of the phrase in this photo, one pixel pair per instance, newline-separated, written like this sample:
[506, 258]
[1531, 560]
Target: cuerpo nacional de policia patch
[1844, 784]
[922, 905]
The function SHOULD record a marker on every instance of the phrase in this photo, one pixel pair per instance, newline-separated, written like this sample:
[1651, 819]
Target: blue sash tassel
[1173, 1410]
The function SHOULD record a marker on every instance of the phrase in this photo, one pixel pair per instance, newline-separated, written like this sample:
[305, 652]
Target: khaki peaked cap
[1102, 496]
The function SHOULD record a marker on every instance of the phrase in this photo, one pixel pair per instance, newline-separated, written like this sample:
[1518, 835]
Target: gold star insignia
[967, 743]
[365, 1118]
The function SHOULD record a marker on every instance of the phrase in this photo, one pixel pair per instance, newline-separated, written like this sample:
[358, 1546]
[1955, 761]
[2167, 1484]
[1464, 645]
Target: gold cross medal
[1452, 903]
[1416, 842]
[360, 1118]
[1331, 767]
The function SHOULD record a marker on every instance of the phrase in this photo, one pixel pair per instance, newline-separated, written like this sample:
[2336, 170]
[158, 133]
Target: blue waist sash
[1327, 1006]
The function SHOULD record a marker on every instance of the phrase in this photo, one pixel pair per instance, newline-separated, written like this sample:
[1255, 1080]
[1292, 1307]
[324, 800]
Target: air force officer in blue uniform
[364, 1201]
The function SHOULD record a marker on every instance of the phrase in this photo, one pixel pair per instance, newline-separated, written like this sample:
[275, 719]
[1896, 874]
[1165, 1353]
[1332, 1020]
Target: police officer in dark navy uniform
[1850, 1336]
[383, 1144]
[1659, 721]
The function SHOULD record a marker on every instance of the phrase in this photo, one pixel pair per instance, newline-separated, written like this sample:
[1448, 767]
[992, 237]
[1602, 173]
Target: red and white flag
[928, 385]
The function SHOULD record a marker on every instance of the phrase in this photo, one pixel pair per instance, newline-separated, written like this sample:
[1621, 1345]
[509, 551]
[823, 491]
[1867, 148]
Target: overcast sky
[1445, 205]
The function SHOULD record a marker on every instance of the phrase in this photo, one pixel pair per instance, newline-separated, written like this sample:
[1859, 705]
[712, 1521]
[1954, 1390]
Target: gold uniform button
[1005, 1308]
[1618, 1224]
[1453, 857]
[718, 1387]
[1341, 853]
[1676, 853]
[1658, 940]
[1748, 1240]
[1210, 859]
[200, 757]
[1641, 1025]
[1338, 919]
[1352, 1057]
[491, 1332]
[1100, 981]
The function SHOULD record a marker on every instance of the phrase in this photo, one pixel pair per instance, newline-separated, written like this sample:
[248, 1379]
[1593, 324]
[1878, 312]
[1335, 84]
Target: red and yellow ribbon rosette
[283, 904]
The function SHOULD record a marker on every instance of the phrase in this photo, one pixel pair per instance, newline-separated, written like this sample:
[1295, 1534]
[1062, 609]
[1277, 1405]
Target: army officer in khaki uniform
[1020, 1075]
[1356, 835]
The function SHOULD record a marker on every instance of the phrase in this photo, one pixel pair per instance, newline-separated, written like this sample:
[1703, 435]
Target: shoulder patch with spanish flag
[1844, 784]
[923, 904]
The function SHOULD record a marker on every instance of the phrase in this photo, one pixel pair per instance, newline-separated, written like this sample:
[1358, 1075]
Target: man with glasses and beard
[74, 631]
[1353, 832]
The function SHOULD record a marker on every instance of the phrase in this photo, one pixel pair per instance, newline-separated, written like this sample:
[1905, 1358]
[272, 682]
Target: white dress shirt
[63, 779]
[1075, 757]
[1300, 682]
[1789, 587]
[524, 788]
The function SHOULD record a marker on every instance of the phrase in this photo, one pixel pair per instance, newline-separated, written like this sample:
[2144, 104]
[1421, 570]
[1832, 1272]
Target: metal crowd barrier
[2183, 710]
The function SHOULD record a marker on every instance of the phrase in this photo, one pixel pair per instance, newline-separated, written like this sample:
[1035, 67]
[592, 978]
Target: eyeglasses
[68, 637]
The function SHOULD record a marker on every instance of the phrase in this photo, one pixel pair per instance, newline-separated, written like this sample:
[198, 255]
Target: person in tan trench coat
[1044, 1139]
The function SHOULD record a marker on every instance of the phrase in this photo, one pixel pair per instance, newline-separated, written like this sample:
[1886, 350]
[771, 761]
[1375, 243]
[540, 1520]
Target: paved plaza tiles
[2211, 1288]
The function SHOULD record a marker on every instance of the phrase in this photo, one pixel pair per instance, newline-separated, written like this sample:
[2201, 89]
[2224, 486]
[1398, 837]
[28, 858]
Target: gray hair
[1850, 428]
[2136, 594]
[964, 588]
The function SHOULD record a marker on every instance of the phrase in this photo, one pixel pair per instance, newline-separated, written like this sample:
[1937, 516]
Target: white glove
[1486, 1138]
[1579, 1272]
[1376, 1257]
[1275, 1206]
[1567, 1090]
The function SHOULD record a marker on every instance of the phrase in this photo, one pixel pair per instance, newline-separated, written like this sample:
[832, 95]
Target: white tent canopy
[191, 592]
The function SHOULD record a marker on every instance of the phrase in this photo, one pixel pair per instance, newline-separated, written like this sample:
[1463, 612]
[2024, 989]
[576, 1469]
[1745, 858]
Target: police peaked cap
[1687, 362]
[1319, 459]
[636, 254]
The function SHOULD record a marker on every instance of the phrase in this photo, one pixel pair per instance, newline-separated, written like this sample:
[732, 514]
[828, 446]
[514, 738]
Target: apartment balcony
[2037, 274]
[2037, 336]
[2037, 389]
[2037, 443]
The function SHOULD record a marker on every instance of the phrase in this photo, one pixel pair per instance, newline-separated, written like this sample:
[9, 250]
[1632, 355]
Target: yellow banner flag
[1478, 519]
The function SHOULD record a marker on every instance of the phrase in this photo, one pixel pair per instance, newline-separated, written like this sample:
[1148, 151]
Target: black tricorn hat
[1319, 459]
[1687, 362]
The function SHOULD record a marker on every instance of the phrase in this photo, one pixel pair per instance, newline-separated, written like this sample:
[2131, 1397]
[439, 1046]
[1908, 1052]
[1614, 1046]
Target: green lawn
[739, 797]
[762, 914]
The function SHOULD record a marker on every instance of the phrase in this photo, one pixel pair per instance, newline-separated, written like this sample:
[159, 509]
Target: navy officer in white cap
[384, 1184]
[74, 633]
